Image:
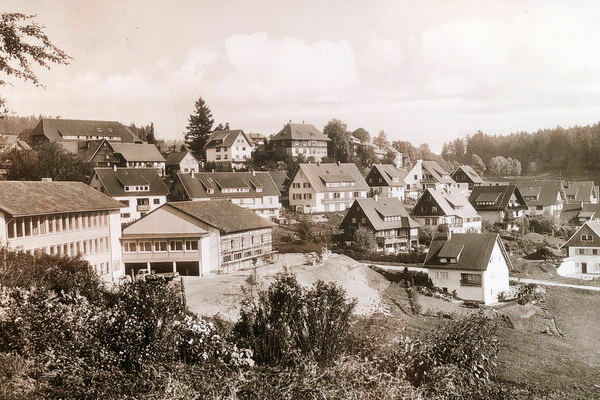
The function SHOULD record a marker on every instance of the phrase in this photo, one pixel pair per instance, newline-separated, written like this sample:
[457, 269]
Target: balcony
[143, 207]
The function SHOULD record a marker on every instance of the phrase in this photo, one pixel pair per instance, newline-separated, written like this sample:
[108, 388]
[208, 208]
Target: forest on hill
[14, 124]
[571, 151]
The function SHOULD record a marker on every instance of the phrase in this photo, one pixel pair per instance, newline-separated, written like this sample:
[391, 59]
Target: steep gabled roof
[175, 157]
[472, 250]
[544, 191]
[376, 211]
[593, 226]
[471, 174]
[280, 178]
[114, 181]
[500, 195]
[393, 176]
[137, 152]
[55, 129]
[196, 186]
[571, 211]
[19, 198]
[299, 132]
[225, 138]
[320, 173]
[582, 190]
[438, 173]
[222, 214]
[451, 202]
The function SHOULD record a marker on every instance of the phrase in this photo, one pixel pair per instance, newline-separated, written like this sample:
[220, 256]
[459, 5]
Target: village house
[474, 265]
[424, 175]
[63, 219]
[579, 213]
[181, 161]
[450, 207]
[581, 192]
[229, 148]
[394, 229]
[253, 190]
[102, 153]
[325, 187]
[583, 250]
[70, 132]
[497, 204]
[197, 238]
[300, 139]
[466, 174]
[542, 196]
[385, 180]
[140, 190]
[259, 141]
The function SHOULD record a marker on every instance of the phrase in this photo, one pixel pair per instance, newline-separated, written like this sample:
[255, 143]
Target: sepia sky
[424, 71]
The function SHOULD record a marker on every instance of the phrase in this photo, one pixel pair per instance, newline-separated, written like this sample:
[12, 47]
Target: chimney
[213, 170]
[339, 162]
[114, 167]
[253, 173]
[376, 197]
[46, 180]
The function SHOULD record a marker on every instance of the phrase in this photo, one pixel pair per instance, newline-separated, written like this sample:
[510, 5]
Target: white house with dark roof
[255, 190]
[581, 192]
[394, 229]
[65, 219]
[136, 155]
[325, 187]
[583, 250]
[427, 174]
[498, 203]
[69, 132]
[182, 161]
[450, 207]
[197, 238]
[301, 139]
[232, 148]
[385, 180]
[467, 175]
[475, 265]
[542, 196]
[140, 190]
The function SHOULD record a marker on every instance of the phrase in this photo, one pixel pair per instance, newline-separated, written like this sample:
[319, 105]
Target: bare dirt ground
[221, 294]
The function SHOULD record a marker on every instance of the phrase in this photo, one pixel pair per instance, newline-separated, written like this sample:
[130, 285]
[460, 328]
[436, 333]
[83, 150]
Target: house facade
[252, 190]
[197, 238]
[467, 175]
[139, 190]
[583, 250]
[63, 219]
[229, 148]
[450, 207]
[385, 180]
[300, 139]
[497, 204]
[394, 229]
[424, 175]
[325, 187]
[542, 196]
[181, 161]
[474, 265]
[581, 192]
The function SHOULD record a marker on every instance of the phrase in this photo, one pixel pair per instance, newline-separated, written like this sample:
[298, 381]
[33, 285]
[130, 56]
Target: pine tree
[199, 128]
[150, 137]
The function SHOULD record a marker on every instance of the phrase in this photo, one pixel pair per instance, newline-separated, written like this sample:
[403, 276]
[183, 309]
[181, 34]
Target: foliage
[362, 134]
[409, 278]
[305, 228]
[15, 124]
[477, 164]
[380, 140]
[500, 166]
[529, 293]
[413, 299]
[145, 132]
[222, 127]
[339, 148]
[426, 234]
[23, 43]
[47, 160]
[287, 322]
[542, 223]
[364, 240]
[199, 128]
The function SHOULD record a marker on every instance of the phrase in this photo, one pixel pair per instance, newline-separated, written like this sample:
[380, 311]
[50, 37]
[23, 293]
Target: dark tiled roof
[55, 129]
[475, 250]
[138, 152]
[280, 178]
[90, 149]
[223, 215]
[470, 173]
[225, 138]
[451, 202]
[500, 195]
[390, 172]
[299, 132]
[545, 191]
[33, 198]
[438, 173]
[571, 211]
[317, 174]
[582, 190]
[114, 181]
[195, 186]
[375, 211]
[175, 157]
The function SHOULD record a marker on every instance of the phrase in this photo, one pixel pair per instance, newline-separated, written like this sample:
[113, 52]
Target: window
[353, 220]
[539, 208]
[581, 251]
[126, 215]
[307, 196]
[191, 245]
[143, 201]
[595, 252]
[176, 245]
[160, 246]
[470, 279]
[156, 201]
[11, 229]
[306, 185]
[336, 195]
[586, 238]
[296, 185]
[237, 256]
[27, 222]
[227, 258]
[145, 247]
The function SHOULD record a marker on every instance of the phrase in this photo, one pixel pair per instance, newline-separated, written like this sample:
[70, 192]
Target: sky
[422, 71]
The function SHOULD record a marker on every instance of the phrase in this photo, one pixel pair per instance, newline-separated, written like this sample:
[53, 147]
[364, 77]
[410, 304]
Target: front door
[584, 268]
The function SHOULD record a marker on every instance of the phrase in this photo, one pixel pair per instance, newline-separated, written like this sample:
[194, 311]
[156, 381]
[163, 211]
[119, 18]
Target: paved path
[550, 283]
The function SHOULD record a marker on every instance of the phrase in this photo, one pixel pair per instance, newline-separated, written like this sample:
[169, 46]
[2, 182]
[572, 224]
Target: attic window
[210, 191]
[140, 188]
[259, 189]
[586, 238]
[443, 260]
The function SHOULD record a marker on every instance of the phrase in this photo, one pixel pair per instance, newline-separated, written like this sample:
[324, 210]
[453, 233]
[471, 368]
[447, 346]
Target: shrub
[426, 235]
[287, 322]
[529, 293]
[412, 278]
[364, 240]
[305, 228]
[545, 224]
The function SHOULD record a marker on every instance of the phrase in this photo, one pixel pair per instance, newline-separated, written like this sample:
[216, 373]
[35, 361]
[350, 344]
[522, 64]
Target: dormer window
[140, 188]
[259, 189]
[210, 191]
